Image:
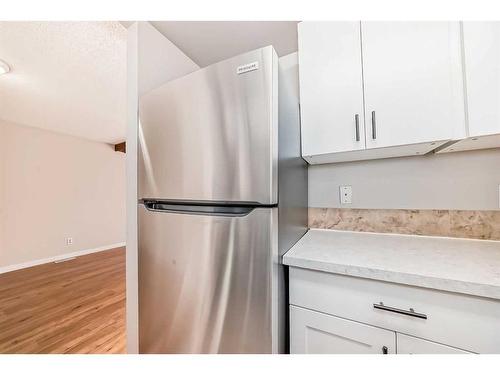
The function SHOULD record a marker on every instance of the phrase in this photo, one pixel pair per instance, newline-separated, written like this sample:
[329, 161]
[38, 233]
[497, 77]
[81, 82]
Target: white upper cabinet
[331, 87]
[403, 79]
[482, 72]
[481, 42]
[413, 82]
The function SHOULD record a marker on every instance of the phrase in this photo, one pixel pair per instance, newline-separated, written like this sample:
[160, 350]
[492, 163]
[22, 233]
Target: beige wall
[54, 186]
[455, 181]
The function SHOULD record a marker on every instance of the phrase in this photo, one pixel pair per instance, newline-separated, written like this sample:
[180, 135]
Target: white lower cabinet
[313, 332]
[317, 333]
[332, 313]
[413, 345]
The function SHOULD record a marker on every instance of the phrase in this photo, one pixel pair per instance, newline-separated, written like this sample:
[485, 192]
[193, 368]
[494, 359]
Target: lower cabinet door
[413, 345]
[317, 333]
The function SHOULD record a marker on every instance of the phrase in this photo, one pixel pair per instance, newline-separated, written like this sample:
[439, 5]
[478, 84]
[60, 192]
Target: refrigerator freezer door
[206, 283]
[212, 135]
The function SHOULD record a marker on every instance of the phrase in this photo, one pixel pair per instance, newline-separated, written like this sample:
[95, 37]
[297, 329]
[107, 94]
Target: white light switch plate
[345, 194]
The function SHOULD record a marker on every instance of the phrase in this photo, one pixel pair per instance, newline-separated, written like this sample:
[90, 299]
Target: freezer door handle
[198, 209]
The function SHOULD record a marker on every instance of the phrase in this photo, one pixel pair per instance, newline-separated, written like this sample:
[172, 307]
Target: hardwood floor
[77, 306]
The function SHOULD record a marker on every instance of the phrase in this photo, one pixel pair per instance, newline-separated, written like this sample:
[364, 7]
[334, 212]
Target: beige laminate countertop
[450, 264]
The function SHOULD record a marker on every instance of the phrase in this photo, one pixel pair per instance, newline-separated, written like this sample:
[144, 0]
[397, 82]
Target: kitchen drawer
[458, 320]
[312, 332]
[413, 345]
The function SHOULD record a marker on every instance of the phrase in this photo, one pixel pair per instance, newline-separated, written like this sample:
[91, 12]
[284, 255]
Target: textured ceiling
[68, 77]
[207, 42]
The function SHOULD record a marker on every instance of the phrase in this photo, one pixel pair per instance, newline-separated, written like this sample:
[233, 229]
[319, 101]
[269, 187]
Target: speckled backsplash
[448, 223]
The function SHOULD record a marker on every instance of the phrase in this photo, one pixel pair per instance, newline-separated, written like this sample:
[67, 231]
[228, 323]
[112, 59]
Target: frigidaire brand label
[247, 67]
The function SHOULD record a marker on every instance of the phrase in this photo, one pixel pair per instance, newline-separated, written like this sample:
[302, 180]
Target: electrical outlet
[345, 194]
[69, 241]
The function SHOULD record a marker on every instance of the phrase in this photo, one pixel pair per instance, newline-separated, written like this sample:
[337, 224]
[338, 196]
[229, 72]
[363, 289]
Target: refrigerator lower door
[208, 283]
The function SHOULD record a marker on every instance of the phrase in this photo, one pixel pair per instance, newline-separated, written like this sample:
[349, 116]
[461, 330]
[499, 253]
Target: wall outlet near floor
[345, 194]
[69, 241]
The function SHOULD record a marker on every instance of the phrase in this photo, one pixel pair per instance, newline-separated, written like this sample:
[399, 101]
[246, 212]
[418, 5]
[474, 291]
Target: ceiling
[207, 42]
[68, 77]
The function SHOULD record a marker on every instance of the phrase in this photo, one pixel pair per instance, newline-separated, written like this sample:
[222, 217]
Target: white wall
[54, 186]
[461, 181]
[151, 61]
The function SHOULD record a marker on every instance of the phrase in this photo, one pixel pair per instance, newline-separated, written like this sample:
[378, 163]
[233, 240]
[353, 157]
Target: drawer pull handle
[374, 126]
[409, 312]
[356, 121]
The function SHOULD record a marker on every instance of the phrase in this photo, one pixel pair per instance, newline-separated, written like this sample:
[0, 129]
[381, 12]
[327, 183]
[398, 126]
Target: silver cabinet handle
[374, 126]
[356, 120]
[410, 312]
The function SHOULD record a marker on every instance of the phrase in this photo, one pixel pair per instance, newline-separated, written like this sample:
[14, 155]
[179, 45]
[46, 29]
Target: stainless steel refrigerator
[222, 196]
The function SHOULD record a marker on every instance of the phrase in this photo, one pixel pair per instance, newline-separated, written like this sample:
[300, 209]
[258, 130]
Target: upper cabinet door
[331, 87]
[413, 82]
[482, 72]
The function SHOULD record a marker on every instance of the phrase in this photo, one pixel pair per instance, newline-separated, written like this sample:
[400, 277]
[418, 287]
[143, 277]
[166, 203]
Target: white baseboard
[15, 267]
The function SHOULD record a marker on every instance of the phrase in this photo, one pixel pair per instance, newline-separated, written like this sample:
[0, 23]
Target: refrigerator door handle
[198, 209]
